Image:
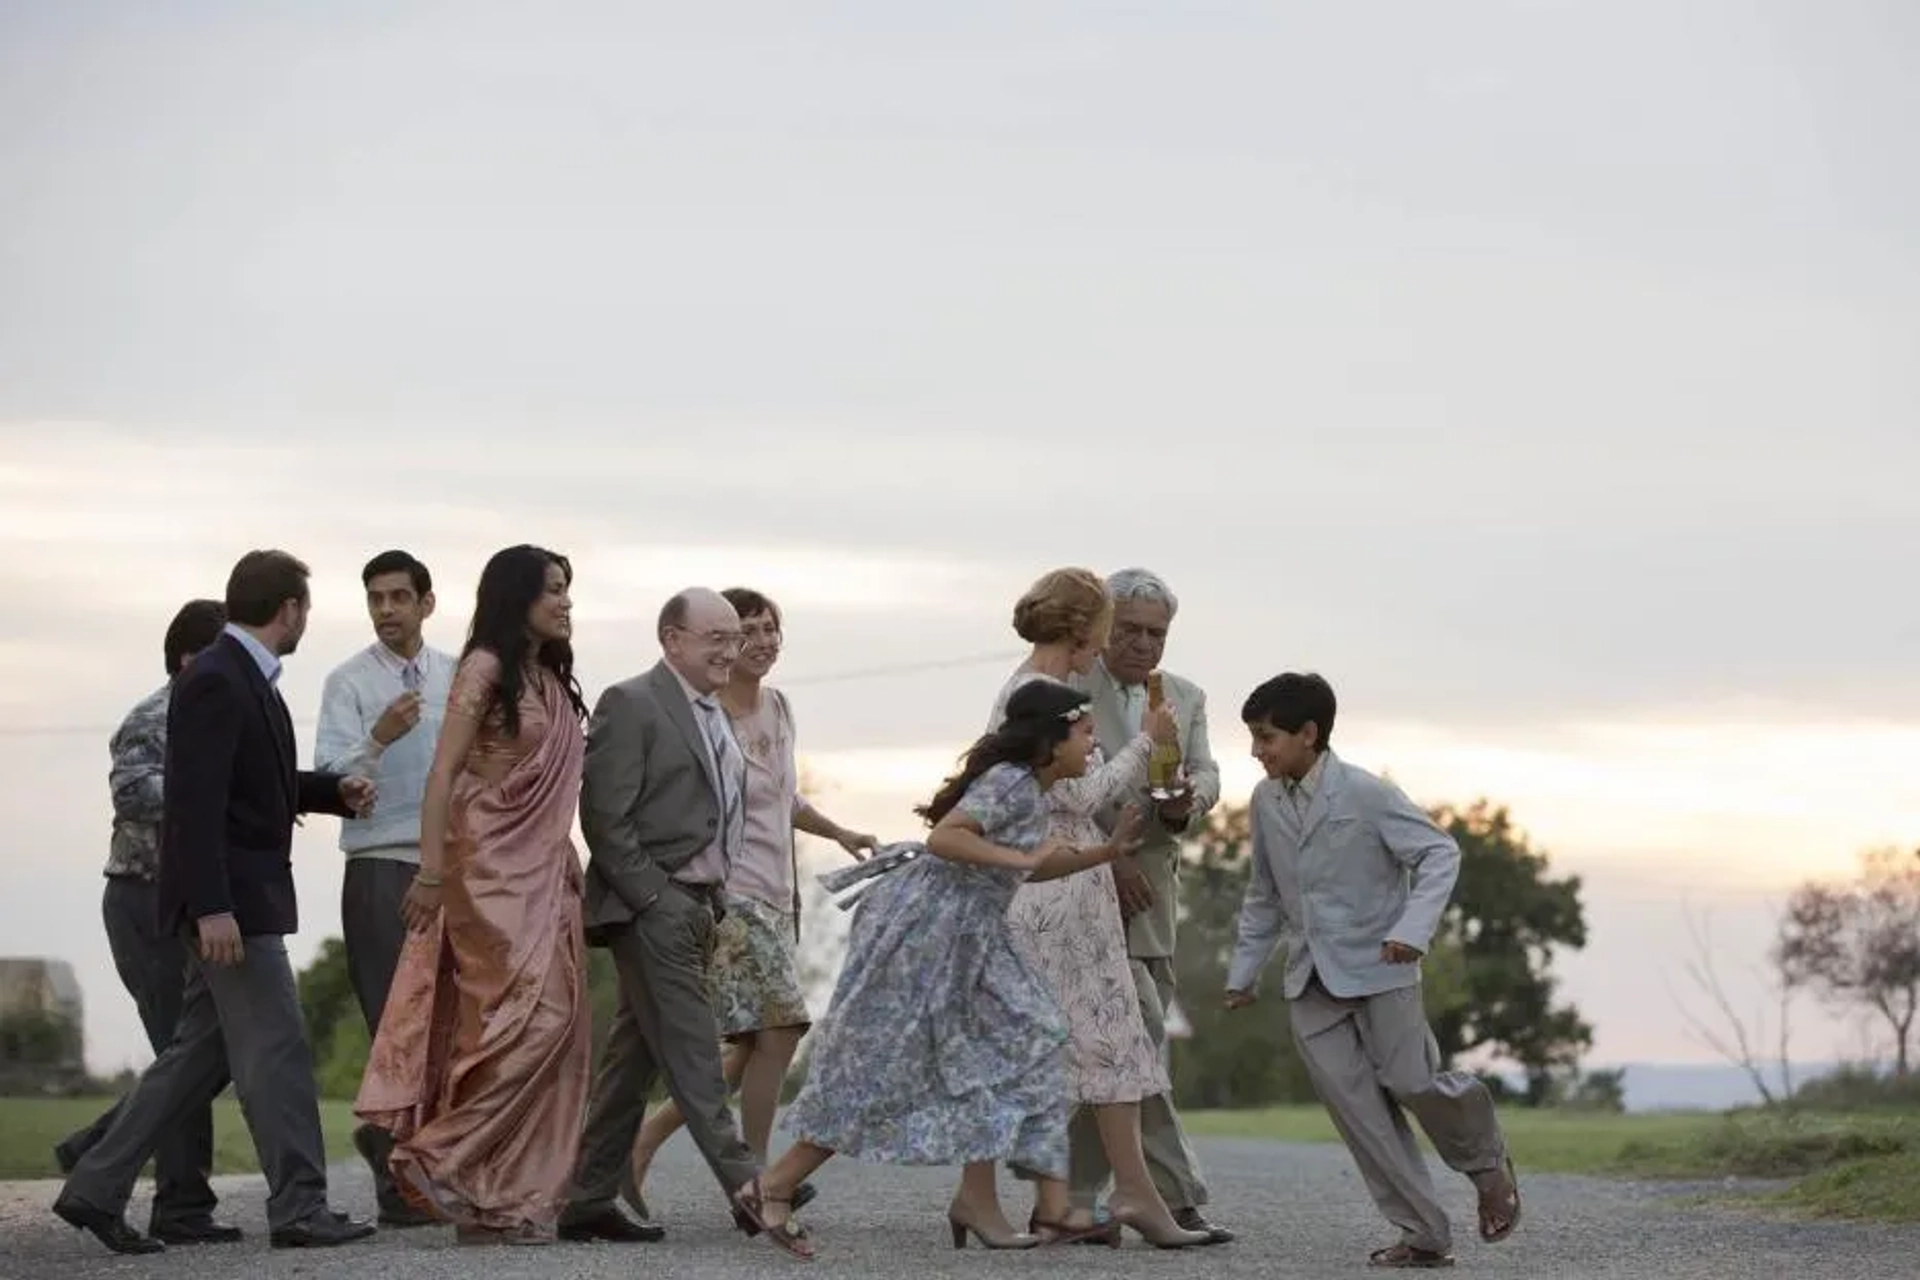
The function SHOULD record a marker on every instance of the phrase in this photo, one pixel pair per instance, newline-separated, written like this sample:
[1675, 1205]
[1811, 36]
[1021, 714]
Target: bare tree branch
[1722, 1029]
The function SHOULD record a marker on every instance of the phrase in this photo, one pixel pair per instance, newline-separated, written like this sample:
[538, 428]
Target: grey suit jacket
[648, 802]
[1367, 866]
[1150, 934]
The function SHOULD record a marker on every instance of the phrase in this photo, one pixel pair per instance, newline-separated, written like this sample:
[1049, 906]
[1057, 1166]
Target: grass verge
[1855, 1164]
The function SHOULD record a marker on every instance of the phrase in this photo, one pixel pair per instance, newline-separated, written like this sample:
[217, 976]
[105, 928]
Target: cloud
[1764, 803]
[823, 579]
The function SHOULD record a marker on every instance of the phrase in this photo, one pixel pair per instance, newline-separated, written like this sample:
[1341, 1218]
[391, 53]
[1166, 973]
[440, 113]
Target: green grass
[1857, 1164]
[30, 1126]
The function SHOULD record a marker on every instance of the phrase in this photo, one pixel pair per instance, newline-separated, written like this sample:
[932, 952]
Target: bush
[1858, 1086]
[1777, 1144]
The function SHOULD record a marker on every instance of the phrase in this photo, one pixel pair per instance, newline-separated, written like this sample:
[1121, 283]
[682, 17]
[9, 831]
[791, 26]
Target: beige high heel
[1157, 1229]
[962, 1226]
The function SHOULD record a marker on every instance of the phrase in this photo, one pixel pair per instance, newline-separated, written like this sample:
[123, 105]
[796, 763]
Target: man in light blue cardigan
[1353, 878]
[380, 717]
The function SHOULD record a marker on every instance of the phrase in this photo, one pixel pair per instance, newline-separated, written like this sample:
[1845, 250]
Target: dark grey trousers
[152, 965]
[664, 1025]
[247, 1019]
[371, 891]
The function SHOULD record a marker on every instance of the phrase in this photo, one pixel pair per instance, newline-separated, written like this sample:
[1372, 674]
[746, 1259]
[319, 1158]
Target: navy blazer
[233, 788]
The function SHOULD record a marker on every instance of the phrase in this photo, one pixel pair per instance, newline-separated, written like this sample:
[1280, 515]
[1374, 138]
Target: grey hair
[1140, 584]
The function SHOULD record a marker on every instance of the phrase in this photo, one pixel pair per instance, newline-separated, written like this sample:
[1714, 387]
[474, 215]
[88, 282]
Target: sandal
[749, 1210]
[1107, 1233]
[1405, 1255]
[1494, 1203]
[803, 1196]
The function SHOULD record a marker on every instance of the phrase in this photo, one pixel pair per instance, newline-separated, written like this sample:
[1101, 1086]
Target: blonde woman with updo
[1070, 930]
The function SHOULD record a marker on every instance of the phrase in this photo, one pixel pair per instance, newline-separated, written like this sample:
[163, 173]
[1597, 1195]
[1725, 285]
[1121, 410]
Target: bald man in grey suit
[661, 808]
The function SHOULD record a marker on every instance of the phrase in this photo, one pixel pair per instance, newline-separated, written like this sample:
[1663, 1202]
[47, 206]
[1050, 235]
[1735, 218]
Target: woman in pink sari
[480, 1067]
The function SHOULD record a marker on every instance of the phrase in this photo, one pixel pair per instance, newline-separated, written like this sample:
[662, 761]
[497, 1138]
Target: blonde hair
[1065, 604]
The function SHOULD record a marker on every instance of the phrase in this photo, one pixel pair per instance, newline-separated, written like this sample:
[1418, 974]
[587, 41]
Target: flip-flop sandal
[1494, 1205]
[750, 1204]
[1405, 1255]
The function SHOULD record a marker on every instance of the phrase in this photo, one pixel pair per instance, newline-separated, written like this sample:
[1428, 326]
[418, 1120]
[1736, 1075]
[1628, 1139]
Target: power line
[829, 677]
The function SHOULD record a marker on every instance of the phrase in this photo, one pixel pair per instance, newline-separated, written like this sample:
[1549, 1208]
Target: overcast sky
[1543, 373]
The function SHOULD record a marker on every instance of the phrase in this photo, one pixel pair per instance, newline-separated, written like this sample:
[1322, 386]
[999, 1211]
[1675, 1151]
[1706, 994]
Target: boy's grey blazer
[648, 802]
[1367, 866]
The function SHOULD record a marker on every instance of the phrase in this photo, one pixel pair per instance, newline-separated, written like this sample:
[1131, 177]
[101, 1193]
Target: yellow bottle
[1163, 766]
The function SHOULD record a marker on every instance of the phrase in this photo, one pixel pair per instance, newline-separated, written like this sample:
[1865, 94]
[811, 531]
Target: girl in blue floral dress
[942, 1046]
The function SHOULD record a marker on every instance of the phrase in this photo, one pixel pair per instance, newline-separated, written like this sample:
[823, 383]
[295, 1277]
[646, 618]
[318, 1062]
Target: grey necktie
[728, 767]
[412, 679]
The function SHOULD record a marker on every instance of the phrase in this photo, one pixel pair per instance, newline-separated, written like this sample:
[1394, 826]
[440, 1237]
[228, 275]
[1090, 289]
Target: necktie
[411, 677]
[727, 768]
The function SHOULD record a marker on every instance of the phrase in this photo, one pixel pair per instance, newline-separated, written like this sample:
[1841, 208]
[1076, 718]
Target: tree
[1724, 1030]
[1507, 917]
[327, 1002]
[1857, 944]
[1244, 1058]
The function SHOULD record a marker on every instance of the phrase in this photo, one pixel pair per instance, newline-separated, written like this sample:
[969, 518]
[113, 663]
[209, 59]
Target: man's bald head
[700, 635]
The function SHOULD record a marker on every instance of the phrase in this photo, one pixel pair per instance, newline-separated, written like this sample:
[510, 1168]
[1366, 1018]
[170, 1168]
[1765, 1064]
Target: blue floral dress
[942, 1045]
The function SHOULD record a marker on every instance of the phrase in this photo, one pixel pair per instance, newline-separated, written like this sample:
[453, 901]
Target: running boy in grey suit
[1353, 878]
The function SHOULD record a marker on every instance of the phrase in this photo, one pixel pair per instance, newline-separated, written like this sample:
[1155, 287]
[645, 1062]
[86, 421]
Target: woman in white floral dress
[1071, 931]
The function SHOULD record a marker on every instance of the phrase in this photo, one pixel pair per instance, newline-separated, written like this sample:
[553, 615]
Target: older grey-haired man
[1143, 612]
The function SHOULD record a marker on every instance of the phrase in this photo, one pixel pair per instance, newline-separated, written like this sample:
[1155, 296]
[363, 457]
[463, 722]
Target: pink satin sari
[481, 1065]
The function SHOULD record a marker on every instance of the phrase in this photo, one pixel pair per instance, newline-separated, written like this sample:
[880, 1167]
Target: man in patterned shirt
[152, 962]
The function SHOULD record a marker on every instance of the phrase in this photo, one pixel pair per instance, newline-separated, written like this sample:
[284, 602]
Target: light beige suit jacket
[1150, 934]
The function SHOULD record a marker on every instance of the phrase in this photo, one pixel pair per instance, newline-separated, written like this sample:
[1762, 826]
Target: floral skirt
[752, 980]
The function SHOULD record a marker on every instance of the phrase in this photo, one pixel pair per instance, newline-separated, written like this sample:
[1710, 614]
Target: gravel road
[1300, 1212]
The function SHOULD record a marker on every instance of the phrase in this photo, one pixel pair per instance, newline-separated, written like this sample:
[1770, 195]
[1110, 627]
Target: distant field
[30, 1126]
[1554, 1141]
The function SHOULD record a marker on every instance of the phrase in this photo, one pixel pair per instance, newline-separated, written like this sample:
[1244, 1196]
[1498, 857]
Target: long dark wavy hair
[510, 585]
[1040, 715]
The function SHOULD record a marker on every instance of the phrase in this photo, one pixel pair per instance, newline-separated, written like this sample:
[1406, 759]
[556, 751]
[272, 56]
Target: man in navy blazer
[1354, 878]
[233, 791]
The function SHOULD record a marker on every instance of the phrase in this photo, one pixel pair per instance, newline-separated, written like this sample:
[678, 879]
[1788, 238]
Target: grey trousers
[152, 965]
[664, 1026]
[1372, 1059]
[371, 891]
[1170, 1157]
[246, 1018]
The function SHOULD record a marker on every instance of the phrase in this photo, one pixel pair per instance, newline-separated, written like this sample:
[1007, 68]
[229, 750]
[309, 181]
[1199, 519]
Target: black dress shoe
[612, 1225]
[66, 1157]
[401, 1217]
[323, 1230]
[108, 1229]
[205, 1231]
[1190, 1220]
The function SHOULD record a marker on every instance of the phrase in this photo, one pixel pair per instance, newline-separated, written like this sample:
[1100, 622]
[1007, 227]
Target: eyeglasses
[723, 640]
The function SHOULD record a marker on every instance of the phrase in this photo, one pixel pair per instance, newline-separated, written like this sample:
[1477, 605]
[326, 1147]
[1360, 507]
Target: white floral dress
[1070, 929]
